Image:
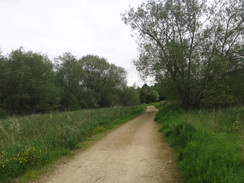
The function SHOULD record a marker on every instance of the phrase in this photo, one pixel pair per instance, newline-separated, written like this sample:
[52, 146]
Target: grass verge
[31, 142]
[209, 143]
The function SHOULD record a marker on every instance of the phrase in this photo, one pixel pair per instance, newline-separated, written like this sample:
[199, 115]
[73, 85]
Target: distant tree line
[31, 83]
[149, 94]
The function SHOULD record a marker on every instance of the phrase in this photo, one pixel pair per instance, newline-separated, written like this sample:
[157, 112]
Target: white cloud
[79, 26]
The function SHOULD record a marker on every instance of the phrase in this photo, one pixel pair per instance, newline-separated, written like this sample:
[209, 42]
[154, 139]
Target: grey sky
[77, 26]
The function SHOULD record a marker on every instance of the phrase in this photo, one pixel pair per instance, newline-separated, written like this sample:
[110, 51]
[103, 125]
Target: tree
[29, 83]
[89, 82]
[148, 94]
[152, 96]
[129, 97]
[106, 81]
[144, 91]
[193, 46]
[4, 80]
[70, 77]
[160, 89]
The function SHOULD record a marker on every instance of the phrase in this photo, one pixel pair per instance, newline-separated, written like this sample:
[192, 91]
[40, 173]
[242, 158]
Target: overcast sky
[77, 26]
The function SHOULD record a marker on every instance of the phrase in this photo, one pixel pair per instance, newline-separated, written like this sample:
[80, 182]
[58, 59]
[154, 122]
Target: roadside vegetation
[32, 141]
[209, 143]
[194, 51]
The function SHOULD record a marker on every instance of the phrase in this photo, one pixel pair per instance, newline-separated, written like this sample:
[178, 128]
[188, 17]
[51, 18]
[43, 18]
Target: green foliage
[68, 77]
[30, 83]
[27, 84]
[209, 143]
[106, 80]
[148, 95]
[32, 141]
[15, 164]
[130, 97]
[194, 48]
[89, 82]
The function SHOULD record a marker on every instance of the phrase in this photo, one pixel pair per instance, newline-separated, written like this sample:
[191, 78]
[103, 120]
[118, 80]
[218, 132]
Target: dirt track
[133, 153]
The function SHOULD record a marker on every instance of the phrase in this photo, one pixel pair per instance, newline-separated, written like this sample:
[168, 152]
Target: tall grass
[30, 141]
[209, 143]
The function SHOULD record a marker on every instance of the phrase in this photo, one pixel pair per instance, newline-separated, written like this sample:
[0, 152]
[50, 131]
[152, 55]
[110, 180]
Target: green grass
[30, 142]
[209, 143]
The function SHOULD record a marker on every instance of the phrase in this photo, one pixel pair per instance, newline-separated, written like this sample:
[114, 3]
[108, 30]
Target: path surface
[133, 153]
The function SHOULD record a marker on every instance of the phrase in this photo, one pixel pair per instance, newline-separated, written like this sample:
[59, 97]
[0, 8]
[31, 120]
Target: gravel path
[132, 153]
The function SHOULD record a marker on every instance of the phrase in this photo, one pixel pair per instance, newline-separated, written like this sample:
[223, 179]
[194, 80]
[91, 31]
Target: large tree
[194, 46]
[27, 83]
[89, 82]
[103, 80]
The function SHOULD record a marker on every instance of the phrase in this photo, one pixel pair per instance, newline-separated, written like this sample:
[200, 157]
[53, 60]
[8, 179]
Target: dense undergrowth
[31, 141]
[209, 143]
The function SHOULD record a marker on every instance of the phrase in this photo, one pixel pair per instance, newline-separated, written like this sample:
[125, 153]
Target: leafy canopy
[194, 46]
